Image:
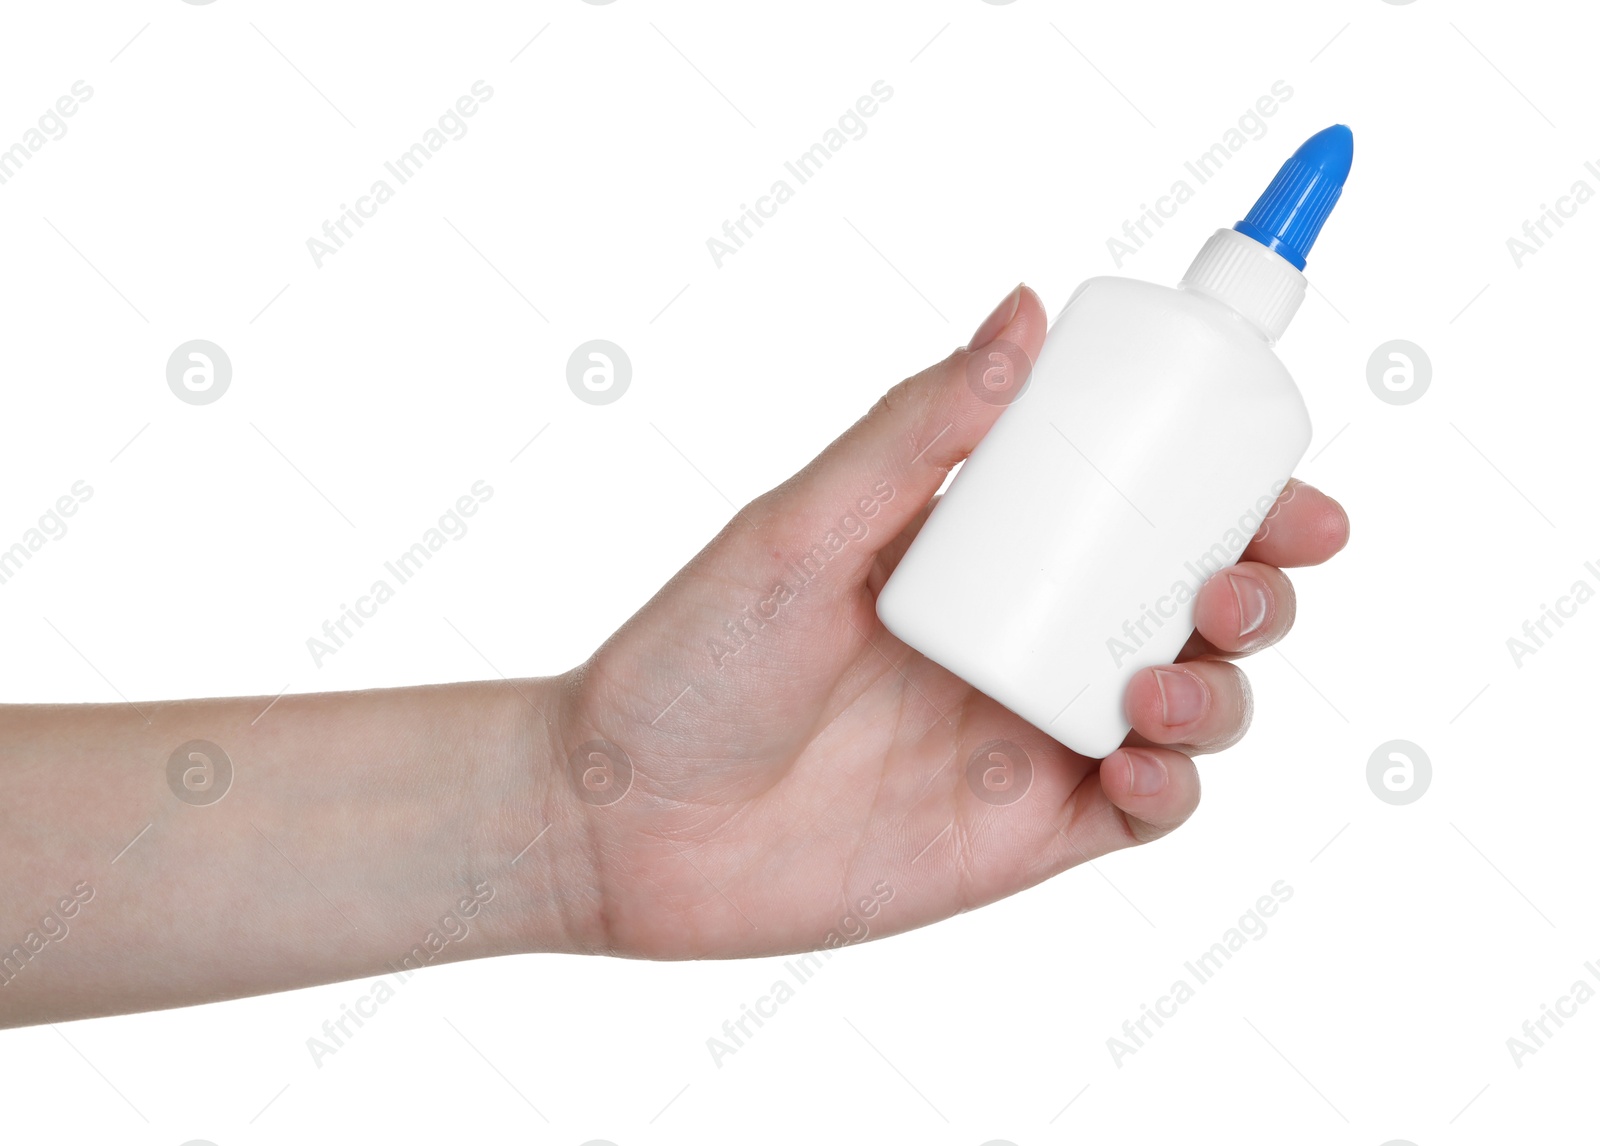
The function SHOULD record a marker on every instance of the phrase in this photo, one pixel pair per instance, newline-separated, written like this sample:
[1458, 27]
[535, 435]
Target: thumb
[882, 471]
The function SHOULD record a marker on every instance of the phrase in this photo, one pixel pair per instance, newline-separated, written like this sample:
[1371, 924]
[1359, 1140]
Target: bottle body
[1149, 444]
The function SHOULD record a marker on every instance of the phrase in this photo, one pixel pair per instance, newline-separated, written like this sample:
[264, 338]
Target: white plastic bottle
[1148, 445]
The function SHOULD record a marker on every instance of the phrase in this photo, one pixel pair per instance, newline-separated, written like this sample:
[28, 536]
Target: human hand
[751, 765]
[776, 768]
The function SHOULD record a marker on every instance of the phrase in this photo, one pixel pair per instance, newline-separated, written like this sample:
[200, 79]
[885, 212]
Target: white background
[369, 394]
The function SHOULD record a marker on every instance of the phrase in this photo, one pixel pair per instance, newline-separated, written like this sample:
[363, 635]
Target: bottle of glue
[1142, 454]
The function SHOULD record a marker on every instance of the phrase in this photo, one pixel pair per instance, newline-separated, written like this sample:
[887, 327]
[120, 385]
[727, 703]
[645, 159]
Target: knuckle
[1234, 714]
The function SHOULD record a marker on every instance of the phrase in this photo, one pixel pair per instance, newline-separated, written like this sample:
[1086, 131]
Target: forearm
[360, 833]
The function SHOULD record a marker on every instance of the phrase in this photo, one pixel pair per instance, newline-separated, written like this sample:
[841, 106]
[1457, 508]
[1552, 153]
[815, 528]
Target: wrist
[538, 827]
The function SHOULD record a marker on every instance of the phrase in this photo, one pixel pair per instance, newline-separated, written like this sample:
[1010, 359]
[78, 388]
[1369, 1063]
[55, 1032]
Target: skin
[807, 789]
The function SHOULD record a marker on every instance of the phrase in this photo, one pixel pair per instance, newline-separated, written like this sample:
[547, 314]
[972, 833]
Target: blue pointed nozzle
[1296, 203]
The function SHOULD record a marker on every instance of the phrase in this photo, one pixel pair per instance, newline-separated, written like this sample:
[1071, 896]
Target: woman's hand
[757, 766]
[751, 765]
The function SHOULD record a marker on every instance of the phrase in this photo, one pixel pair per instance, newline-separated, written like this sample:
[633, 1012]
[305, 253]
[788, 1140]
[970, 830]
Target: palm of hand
[822, 765]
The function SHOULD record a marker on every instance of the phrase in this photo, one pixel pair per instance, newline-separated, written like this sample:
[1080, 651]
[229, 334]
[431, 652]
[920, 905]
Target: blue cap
[1294, 206]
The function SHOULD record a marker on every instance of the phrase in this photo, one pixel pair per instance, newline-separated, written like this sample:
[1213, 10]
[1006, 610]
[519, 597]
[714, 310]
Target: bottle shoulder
[1170, 337]
[1136, 305]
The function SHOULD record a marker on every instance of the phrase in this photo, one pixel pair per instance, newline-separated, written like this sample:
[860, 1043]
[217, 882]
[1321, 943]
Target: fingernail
[1147, 775]
[1254, 604]
[1183, 696]
[996, 322]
